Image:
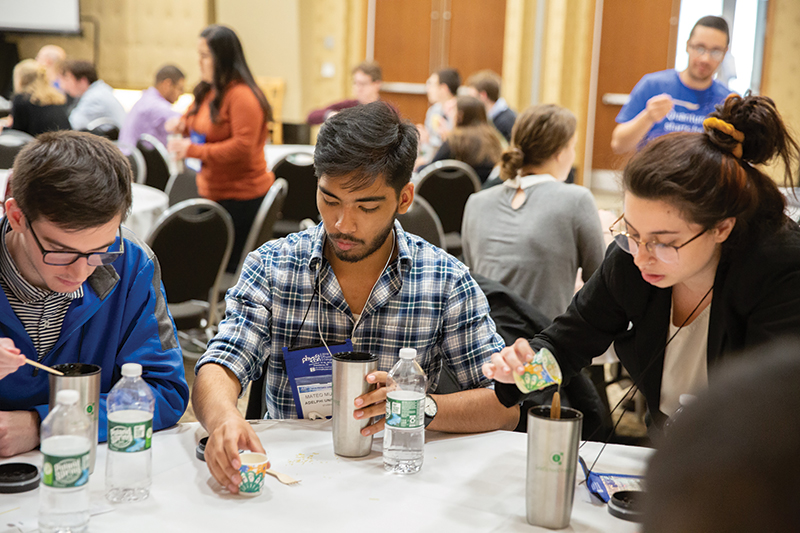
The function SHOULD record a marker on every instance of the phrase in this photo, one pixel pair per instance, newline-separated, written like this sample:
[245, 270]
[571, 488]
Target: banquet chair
[446, 185]
[192, 241]
[261, 230]
[182, 186]
[422, 220]
[301, 201]
[11, 142]
[135, 158]
[157, 161]
[104, 127]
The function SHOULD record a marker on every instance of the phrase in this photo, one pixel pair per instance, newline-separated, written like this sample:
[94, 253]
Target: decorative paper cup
[540, 373]
[253, 470]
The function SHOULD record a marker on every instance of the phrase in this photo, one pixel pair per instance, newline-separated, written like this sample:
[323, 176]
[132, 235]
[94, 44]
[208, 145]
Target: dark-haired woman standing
[705, 264]
[227, 129]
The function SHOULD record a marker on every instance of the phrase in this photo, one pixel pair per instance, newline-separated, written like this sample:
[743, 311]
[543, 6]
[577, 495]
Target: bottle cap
[67, 396]
[408, 353]
[131, 370]
[686, 399]
[18, 477]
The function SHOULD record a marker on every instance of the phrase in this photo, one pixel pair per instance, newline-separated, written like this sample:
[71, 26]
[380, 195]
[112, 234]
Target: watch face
[430, 407]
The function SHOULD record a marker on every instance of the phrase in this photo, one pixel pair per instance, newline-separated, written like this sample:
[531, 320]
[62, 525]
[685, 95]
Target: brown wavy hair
[539, 133]
[31, 78]
[473, 140]
[698, 173]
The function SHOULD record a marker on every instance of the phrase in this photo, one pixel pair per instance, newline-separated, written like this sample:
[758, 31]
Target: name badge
[310, 372]
[191, 162]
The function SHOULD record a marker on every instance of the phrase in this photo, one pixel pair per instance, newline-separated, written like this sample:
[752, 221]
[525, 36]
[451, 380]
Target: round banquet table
[148, 204]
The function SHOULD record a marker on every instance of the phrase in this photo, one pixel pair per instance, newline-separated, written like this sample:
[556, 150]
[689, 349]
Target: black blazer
[756, 299]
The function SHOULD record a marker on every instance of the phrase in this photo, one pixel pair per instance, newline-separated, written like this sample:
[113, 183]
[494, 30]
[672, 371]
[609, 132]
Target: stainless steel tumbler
[349, 372]
[552, 462]
[85, 379]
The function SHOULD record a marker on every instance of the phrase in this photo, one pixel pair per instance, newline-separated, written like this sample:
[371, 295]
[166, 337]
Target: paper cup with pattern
[540, 373]
[253, 470]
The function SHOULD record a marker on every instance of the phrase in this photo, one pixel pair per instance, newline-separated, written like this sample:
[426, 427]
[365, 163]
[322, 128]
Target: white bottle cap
[686, 399]
[131, 370]
[67, 397]
[408, 353]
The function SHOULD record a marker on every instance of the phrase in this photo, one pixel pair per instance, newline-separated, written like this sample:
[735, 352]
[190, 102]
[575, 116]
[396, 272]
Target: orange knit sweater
[234, 166]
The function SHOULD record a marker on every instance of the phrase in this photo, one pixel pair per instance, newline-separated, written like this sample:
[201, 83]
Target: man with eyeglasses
[77, 286]
[668, 101]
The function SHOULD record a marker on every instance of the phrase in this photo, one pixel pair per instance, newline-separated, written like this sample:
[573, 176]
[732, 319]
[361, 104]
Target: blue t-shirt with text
[679, 118]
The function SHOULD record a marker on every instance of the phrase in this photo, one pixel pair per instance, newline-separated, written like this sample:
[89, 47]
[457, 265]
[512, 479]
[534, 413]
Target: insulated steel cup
[350, 370]
[552, 462]
[85, 379]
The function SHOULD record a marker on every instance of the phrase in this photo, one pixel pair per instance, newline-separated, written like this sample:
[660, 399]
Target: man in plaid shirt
[356, 276]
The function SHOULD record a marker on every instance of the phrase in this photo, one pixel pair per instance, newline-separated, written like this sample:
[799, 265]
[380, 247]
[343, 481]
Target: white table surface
[273, 152]
[467, 483]
[148, 204]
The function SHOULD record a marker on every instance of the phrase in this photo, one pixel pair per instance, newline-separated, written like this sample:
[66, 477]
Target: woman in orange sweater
[227, 130]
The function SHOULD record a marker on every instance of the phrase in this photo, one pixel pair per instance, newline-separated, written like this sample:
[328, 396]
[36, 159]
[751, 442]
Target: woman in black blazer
[704, 263]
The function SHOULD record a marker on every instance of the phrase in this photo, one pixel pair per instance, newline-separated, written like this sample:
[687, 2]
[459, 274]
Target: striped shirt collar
[21, 288]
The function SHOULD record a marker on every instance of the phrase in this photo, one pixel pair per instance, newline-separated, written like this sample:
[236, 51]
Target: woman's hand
[175, 125]
[511, 359]
[179, 147]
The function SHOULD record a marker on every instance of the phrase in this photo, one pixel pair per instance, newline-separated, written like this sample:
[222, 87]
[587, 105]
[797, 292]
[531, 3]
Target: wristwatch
[431, 408]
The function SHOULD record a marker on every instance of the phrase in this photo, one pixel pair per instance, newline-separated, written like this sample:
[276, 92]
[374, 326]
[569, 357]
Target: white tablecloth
[148, 204]
[467, 483]
[273, 152]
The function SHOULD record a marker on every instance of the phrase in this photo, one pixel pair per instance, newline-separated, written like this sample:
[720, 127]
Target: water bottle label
[65, 472]
[406, 414]
[129, 437]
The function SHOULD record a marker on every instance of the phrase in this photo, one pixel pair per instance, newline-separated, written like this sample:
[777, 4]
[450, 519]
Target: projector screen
[40, 16]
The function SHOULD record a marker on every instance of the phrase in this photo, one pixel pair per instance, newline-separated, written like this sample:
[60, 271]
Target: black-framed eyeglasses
[714, 53]
[666, 253]
[59, 258]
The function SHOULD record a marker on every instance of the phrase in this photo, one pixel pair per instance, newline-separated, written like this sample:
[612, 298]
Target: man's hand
[372, 403]
[174, 125]
[19, 432]
[509, 360]
[222, 450]
[10, 357]
[658, 107]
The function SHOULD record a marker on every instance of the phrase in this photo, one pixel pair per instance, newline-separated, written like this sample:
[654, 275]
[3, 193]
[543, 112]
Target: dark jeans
[243, 212]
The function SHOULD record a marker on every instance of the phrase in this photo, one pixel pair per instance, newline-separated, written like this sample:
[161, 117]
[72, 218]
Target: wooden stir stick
[555, 406]
[48, 369]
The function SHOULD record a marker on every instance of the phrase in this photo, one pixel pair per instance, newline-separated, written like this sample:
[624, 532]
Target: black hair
[75, 180]
[81, 69]
[367, 142]
[169, 72]
[718, 23]
[451, 78]
[229, 65]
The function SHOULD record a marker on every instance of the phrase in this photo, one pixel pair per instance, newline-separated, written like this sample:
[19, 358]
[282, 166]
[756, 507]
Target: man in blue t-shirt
[667, 101]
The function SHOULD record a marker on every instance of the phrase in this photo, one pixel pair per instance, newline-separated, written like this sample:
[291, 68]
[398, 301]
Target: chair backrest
[298, 170]
[11, 143]
[157, 161]
[192, 241]
[104, 127]
[182, 186]
[274, 89]
[422, 220]
[136, 159]
[446, 185]
[267, 215]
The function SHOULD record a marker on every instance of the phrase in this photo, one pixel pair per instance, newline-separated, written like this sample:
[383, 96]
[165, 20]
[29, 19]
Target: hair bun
[757, 118]
[511, 162]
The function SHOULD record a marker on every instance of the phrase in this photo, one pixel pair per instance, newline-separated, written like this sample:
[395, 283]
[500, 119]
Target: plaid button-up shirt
[425, 299]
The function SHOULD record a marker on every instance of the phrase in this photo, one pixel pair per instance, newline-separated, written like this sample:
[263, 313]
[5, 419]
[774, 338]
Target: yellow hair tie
[713, 123]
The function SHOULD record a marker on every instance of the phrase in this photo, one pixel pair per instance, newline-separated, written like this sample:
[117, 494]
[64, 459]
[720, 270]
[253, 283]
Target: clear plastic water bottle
[404, 435]
[66, 438]
[129, 466]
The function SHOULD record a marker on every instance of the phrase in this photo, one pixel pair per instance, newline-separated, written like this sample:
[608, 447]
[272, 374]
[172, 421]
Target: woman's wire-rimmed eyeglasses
[666, 253]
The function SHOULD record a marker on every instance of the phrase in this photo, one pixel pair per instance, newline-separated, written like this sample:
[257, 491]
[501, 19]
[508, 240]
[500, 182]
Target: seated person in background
[667, 101]
[37, 106]
[472, 140]
[95, 97]
[367, 280]
[441, 87]
[485, 85]
[50, 57]
[704, 265]
[154, 108]
[74, 289]
[367, 80]
[729, 463]
[534, 232]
